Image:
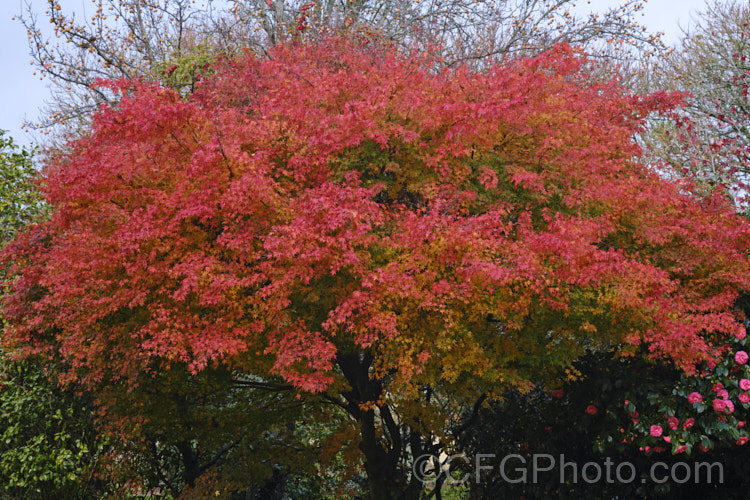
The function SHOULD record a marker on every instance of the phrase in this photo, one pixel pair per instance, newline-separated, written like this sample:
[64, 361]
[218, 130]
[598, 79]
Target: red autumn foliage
[342, 197]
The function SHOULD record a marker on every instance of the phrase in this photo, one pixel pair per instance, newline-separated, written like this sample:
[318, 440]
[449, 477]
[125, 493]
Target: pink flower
[688, 423]
[720, 404]
[667, 439]
[656, 430]
[741, 357]
[591, 410]
[717, 387]
[741, 334]
[723, 394]
[674, 423]
[694, 397]
[711, 364]
[742, 440]
[730, 406]
[743, 397]
[704, 448]
[741, 424]
[745, 384]
[681, 449]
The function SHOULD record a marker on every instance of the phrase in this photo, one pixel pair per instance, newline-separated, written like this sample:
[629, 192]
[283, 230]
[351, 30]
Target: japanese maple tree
[401, 242]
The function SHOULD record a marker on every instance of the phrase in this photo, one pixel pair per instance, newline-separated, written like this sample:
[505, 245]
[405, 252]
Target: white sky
[22, 93]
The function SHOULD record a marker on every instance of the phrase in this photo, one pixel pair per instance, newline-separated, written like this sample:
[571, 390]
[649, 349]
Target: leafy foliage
[20, 201]
[49, 446]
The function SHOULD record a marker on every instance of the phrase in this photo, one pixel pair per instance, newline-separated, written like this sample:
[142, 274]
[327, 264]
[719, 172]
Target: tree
[398, 242]
[122, 39]
[709, 139]
[174, 41]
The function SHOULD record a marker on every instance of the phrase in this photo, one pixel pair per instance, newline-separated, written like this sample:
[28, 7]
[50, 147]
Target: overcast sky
[22, 93]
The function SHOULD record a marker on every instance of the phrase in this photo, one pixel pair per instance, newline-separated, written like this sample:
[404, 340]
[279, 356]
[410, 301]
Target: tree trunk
[383, 453]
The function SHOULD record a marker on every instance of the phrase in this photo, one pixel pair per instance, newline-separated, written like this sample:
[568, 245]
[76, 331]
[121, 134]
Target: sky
[22, 93]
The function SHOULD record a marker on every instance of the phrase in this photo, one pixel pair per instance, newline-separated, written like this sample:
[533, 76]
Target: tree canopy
[399, 241]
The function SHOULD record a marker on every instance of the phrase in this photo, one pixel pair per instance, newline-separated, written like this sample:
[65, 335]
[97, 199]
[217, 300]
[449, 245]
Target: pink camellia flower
[742, 440]
[745, 384]
[723, 394]
[711, 364]
[656, 430]
[717, 387]
[668, 439]
[720, 404]
[741, 357]
[681, 449]
[591, 410]
[743, 397]
[688, 423]
[730, 406]
[673, 423]
[694, 397]
[741, 334]
[741, 424]
[704, 448]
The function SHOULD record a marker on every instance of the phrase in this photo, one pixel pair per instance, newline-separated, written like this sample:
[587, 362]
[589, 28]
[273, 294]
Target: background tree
[20, 201]
[387, 239]
[709, 139]
[121, 39]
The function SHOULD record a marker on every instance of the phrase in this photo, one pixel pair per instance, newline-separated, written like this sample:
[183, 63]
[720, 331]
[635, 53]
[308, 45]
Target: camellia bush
[592, 438]
[349, 227]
